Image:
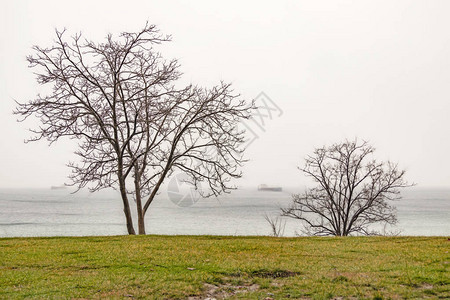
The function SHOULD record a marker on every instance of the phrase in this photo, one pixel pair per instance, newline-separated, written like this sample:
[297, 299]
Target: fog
[377, 70]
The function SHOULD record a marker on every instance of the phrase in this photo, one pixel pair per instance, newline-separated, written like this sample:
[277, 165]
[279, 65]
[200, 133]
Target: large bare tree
[353, 191]
[134, 126]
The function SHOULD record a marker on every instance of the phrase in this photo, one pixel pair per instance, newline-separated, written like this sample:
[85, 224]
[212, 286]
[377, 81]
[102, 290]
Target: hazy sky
[378, 70]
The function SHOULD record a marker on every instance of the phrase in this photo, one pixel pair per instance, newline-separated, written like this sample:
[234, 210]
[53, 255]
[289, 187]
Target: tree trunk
[137, 188]
[141, 223]
[126, 208]
[140, 212]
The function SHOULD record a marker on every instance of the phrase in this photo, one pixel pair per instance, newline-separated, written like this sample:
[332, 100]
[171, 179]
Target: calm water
[39, 212]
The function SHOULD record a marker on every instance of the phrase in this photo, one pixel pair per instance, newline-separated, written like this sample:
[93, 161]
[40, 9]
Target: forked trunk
[126, 209]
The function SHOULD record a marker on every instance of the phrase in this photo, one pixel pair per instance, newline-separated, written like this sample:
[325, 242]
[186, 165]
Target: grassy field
[196, 267]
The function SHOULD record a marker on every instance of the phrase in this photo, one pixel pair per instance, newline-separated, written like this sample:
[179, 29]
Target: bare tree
[353, 191]
[277, 225]
[134, 127]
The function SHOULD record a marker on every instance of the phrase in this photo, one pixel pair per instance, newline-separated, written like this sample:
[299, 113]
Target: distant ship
[58, 187]
[265, 187]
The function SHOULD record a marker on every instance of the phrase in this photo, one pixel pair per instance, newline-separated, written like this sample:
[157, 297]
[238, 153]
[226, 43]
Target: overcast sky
[378, 70]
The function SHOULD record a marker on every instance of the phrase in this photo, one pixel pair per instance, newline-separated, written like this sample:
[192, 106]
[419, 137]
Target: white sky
[378, 70]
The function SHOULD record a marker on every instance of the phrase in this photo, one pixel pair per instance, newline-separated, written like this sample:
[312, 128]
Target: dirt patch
[265, 273]
[273, 273]
[427, 286]
[224, 291]
[228, 287]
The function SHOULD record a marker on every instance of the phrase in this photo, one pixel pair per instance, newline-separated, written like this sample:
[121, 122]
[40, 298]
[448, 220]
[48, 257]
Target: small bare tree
[277, 225]
[134, 127]
[353, 191]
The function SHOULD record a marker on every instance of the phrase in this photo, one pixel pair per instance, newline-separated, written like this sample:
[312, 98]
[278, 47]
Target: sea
[60, 212]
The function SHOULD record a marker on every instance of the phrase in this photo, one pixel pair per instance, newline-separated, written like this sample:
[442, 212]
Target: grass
[196, 267]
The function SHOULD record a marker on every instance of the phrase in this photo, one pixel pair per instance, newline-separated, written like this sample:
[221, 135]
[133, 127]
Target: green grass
[166, 267]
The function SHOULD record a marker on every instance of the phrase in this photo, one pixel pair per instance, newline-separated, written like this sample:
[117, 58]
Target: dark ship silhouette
[265, 187]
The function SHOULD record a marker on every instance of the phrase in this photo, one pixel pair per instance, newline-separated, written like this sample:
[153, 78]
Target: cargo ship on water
[58, 187]
[265, 187]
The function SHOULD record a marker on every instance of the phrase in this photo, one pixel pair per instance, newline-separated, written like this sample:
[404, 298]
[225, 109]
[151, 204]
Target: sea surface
[47, 212]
